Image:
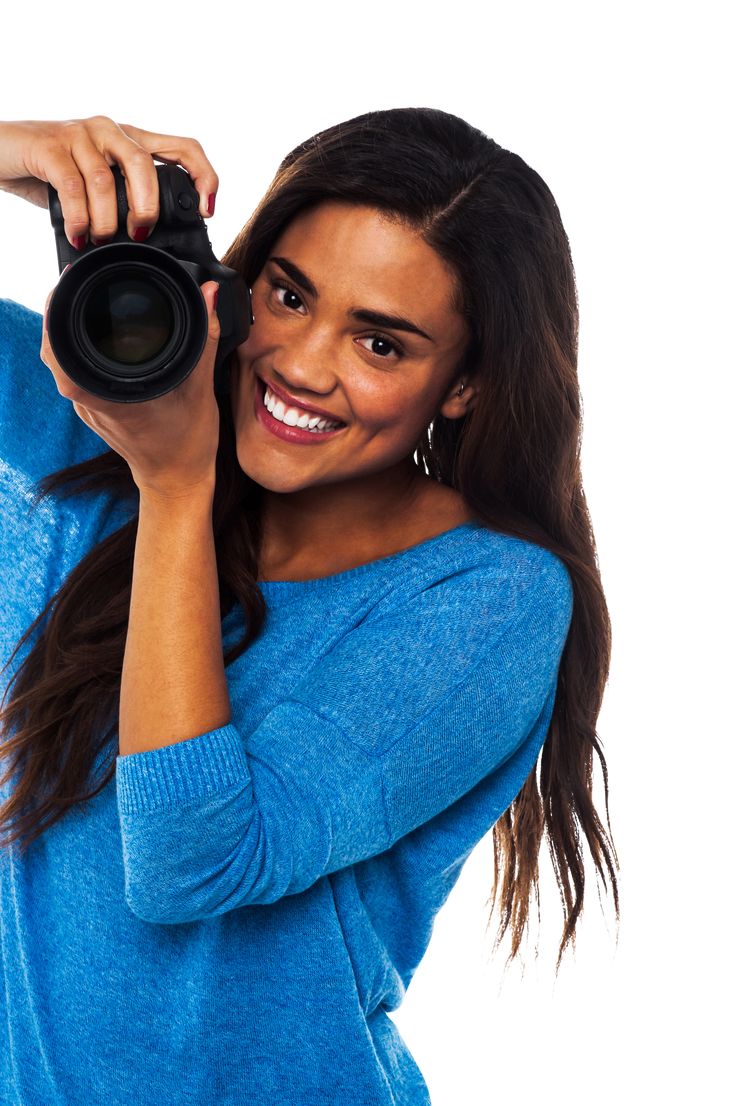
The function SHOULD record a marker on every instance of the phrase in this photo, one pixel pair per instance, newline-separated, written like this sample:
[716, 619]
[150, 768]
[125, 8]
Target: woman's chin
[269, 476]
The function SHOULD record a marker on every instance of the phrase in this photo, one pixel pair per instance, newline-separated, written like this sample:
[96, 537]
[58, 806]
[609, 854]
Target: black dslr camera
[127, 321]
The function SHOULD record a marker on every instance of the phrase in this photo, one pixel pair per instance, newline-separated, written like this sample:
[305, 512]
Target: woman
[388, 507]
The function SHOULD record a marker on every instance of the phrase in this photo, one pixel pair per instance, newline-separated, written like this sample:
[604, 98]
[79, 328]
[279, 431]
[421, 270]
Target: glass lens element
[128, 320]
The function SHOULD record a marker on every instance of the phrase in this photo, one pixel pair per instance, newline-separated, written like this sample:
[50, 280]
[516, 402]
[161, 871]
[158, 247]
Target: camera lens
[128, 320]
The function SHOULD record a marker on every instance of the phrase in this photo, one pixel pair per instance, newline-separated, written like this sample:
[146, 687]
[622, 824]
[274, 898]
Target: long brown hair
[515, 458]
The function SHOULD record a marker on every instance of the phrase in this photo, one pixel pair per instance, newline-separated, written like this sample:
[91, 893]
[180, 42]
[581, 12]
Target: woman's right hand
[75, 156]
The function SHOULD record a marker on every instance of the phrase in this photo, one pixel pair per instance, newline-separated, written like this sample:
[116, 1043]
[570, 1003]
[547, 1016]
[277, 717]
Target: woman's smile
[291, 423]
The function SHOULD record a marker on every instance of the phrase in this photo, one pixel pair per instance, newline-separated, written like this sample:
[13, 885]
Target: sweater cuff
[188, 771]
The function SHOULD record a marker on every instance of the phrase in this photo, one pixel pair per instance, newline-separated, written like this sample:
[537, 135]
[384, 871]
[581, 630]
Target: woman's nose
[308, 365]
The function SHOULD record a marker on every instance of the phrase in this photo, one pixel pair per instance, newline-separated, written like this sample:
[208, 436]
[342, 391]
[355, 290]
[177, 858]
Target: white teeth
[293, 416]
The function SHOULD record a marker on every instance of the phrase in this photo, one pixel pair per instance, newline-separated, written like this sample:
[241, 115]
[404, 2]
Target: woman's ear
[460, 398]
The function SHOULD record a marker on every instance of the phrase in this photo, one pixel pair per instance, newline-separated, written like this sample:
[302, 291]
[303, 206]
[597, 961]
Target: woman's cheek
[400, 415]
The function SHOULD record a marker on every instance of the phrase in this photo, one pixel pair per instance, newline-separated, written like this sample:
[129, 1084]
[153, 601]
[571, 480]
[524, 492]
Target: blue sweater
[233, 917]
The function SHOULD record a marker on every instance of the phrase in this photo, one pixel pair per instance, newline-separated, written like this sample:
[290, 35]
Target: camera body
[127, 320]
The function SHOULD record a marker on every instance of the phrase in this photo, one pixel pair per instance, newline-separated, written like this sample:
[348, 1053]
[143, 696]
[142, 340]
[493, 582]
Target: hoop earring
[461, 389]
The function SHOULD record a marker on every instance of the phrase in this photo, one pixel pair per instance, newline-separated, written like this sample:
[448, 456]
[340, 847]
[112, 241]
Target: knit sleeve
[40, 431]
[406, 713]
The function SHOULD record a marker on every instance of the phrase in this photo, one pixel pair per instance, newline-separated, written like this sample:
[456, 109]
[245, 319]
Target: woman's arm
[173, 684]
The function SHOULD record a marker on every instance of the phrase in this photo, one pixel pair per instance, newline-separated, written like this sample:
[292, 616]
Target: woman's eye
[289, 295]
[381, 346]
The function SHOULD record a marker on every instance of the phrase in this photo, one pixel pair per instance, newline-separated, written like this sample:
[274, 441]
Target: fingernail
[214, 302]
[140, 234]
[211, 203]
[80, 241]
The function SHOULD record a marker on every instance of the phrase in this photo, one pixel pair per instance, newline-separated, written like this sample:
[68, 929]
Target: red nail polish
[214, 302]
[211, 203]
[140, 234]
[80, 241]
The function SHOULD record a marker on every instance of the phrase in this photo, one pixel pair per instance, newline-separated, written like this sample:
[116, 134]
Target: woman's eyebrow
[296, 275]
[362, 314]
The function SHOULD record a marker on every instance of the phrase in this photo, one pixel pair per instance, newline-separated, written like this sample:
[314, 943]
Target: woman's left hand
[170, 443]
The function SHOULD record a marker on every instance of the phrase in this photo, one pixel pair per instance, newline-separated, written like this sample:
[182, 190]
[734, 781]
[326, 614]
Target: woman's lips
[294, 434]
[291, 401]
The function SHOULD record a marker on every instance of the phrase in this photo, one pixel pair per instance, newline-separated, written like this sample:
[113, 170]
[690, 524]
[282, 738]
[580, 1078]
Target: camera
[127, 320]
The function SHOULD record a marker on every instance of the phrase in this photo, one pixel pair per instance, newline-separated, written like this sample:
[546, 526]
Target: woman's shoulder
[469, 572]
[446, 514]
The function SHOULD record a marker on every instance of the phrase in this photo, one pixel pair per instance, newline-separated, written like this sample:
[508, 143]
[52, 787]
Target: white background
[626, 111]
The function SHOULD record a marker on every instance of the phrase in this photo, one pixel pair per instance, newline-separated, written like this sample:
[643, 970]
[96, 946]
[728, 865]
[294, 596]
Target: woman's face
[314, 345]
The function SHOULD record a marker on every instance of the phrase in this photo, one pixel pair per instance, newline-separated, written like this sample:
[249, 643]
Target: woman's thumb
[210, 292]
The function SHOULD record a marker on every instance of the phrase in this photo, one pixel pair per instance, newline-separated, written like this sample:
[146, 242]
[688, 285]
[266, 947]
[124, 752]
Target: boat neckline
[359, 570]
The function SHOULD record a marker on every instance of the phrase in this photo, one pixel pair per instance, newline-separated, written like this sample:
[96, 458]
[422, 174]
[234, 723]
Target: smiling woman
[361, 495]
[270, 720]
